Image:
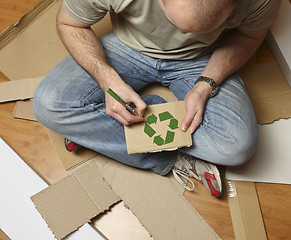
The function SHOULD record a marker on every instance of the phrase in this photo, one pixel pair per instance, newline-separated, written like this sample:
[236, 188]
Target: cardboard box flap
[74, 200]
[157, 203]
[19, 89]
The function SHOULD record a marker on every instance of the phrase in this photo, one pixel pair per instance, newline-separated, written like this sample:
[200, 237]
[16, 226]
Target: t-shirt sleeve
[261, 14]
[87, 11]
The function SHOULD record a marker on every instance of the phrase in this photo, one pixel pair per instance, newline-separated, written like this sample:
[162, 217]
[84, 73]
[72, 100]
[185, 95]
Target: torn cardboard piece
[268, 90]
[70, 159]
[18, 89]
[154, 199]
[160, 131]
[74, 200]
[24, 110]
[245, 211]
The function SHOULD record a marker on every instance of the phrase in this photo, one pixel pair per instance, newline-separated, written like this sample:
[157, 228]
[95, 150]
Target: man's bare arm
[235, 49]
[85, 48]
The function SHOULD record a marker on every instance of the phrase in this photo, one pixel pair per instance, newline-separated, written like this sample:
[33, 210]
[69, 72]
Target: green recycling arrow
[169, 137]
[165, 116]
[158, 140]
[151, 119]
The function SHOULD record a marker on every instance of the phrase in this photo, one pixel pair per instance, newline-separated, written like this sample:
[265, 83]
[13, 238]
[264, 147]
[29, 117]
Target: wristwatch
[211, 82]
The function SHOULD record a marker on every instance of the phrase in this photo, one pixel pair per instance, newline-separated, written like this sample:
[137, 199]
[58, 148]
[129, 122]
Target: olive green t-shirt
[143, 26]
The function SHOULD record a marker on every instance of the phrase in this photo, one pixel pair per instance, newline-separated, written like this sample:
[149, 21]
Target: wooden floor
[30, 140]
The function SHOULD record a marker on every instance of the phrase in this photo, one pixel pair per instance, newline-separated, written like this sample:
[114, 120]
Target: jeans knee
[240, 150]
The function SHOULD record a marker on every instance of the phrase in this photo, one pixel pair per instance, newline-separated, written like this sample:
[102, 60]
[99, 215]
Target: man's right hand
[118, 111]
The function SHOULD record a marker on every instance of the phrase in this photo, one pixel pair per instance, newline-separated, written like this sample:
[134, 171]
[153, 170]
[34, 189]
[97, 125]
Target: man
[192, 46]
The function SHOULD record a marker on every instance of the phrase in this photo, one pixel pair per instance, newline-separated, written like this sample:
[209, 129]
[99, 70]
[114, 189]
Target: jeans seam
[137, 72]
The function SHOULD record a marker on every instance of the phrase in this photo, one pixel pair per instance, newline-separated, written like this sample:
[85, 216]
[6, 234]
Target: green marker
[115, 96]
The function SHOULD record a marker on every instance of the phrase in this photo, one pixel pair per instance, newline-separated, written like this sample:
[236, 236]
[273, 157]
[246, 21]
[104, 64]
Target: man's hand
[195, 101]
[118, 111]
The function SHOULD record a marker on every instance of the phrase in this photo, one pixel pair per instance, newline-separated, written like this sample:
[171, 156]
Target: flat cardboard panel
[157, 203]
[24, 110]
[160, 131]
[154, 199]
[19, 89]
[74, 200]
[245, 212]
[19, 219]
[272, 159]
[268, 90]
[69, 159]
[34, 52]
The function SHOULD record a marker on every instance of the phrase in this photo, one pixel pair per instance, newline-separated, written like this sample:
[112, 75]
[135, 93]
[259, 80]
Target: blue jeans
[70, 102]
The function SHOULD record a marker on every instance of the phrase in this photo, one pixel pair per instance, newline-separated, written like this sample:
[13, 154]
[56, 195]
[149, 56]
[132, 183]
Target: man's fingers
[191, 121]
[121, 114]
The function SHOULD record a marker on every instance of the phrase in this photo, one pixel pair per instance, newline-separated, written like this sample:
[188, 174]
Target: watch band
[211, 82]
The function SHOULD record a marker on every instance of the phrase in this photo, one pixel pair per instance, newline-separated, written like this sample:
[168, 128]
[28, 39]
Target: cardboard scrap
[160, 131]
[245, 211]
[70, 159]
[24, 110]
[74, 200]
[69, 203]
[18, 89]
[268, 90]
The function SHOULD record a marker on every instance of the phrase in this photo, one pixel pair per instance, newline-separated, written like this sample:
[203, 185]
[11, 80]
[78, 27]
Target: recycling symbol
[153, 119]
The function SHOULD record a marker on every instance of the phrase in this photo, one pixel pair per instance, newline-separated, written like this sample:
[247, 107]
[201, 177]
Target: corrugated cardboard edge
[18, 89]
[12, 31]
[245, 211]
[74, 200]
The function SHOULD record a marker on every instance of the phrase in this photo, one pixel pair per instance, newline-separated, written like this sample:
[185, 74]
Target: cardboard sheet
[40, 50]
[24, 110]
[19, 89]
[19, 219]
[272, 160]
[268, 90]
[245, 211]
[154, 199]
[160, 131]
[74, 200]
